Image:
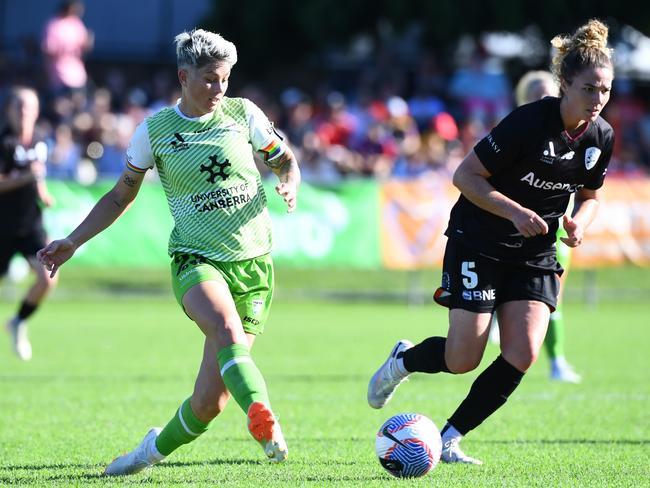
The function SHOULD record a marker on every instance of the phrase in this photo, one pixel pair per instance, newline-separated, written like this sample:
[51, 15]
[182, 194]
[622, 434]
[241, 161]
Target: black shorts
[27, 244]
[478, 283]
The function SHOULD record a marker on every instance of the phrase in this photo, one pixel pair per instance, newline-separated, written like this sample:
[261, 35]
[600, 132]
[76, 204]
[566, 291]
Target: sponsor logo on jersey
[591, 157]
[549, 156]
[179, 143]
[551, 149]
[479, 295]
[220, 193]
[250, 320]
[495, 147]
[550, 185]
[221, 198]
[222, 203]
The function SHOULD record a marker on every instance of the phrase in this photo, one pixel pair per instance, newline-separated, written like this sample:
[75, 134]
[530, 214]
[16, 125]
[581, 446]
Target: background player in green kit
[222, 273]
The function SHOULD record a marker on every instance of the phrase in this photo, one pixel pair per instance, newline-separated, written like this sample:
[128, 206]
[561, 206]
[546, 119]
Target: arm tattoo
[128, 181]
[279, 161]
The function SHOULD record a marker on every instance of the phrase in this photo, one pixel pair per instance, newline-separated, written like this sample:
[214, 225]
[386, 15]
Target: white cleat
[142, 457]
[20, 343]
[452, 453]
[388, 377]
[265, 429]
[564, 372]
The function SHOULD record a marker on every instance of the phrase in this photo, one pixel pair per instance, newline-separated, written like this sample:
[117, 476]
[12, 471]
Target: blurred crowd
[389, 124]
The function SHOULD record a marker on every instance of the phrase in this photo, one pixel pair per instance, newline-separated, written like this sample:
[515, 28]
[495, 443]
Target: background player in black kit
[515, 187]
[22, 192]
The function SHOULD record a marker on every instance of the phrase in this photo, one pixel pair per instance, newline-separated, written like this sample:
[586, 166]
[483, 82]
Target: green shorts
[250, 283]
[563, 251]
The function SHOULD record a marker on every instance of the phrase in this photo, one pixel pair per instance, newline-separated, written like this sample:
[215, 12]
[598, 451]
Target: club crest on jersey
[211, 169]
[591, 157]
[257, 305]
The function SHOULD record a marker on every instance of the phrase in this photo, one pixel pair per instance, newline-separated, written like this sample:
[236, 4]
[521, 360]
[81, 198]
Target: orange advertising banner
[414, 216]
[620, 233]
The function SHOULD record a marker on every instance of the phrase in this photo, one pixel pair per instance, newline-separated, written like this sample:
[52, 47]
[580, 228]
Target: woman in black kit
[500, 257]
[22, 192]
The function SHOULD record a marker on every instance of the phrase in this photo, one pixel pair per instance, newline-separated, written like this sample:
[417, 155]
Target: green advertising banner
[331, 227]
[138, 238]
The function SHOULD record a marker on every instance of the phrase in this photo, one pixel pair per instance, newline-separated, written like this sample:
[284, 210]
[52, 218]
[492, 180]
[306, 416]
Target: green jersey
[208, 172]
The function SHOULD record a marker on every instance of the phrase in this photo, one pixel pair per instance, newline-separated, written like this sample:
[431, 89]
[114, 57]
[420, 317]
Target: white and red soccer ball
[408, 445]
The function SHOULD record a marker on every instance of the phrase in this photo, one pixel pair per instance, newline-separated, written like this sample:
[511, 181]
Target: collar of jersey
[202, 118]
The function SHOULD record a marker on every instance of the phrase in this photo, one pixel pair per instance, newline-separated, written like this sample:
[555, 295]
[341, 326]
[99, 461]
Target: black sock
[427, 357]
[26, 309]
[445, 429]
[488, 392]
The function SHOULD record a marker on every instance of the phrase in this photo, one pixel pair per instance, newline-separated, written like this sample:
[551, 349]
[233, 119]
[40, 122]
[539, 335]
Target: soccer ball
[408, 445]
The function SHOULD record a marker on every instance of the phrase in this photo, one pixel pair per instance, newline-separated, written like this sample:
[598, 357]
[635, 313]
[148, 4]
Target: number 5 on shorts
[470, 279]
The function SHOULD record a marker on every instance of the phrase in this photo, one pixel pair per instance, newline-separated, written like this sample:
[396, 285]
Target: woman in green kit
[222, 273]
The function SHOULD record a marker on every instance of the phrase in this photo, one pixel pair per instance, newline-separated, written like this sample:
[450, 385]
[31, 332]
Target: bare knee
[459, 364]
[225, 333]
[522, 358]
[44, 282]
[206, 405]
[50, 283]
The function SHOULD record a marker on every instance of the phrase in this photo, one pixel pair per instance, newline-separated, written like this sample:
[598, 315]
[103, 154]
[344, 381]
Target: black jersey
[533, 161]
[20, 208]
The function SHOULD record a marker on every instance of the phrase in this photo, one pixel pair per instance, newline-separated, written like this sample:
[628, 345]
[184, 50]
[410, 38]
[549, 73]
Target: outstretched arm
[286, 168]
[104, 213]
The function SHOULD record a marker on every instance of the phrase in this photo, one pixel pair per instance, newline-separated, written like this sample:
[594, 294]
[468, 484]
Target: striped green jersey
[207, 170]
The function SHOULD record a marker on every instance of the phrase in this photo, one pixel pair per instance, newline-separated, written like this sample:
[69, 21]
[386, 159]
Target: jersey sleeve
[263, 136]
[597, 176]
[503, 145]
[139, 156]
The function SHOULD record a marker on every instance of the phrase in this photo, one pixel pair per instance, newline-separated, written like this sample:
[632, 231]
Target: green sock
[183, 428]
[241, 376]
[554, 340]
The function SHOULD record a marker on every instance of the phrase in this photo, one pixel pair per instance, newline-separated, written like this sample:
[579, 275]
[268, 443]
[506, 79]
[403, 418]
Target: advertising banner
[331, 227]
[358, 224]
[620, 232]
[415, 215]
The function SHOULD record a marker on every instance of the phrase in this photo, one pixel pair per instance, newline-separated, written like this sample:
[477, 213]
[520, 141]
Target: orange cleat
[265, 429]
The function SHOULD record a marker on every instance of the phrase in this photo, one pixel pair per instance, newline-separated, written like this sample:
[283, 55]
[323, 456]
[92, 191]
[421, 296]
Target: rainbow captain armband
[272, 151]
[135, 169]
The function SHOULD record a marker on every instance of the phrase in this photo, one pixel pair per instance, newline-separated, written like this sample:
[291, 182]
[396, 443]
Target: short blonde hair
[200, 47]
[535, 85]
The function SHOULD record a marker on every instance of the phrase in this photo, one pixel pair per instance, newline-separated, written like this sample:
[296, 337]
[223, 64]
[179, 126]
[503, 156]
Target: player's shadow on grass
[40, 467]
[97, 476]
[67, 477]
[632, 442]
[235, 462]
[213, 462]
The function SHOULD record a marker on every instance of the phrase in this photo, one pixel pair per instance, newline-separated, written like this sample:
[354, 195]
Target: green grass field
[105, 370]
